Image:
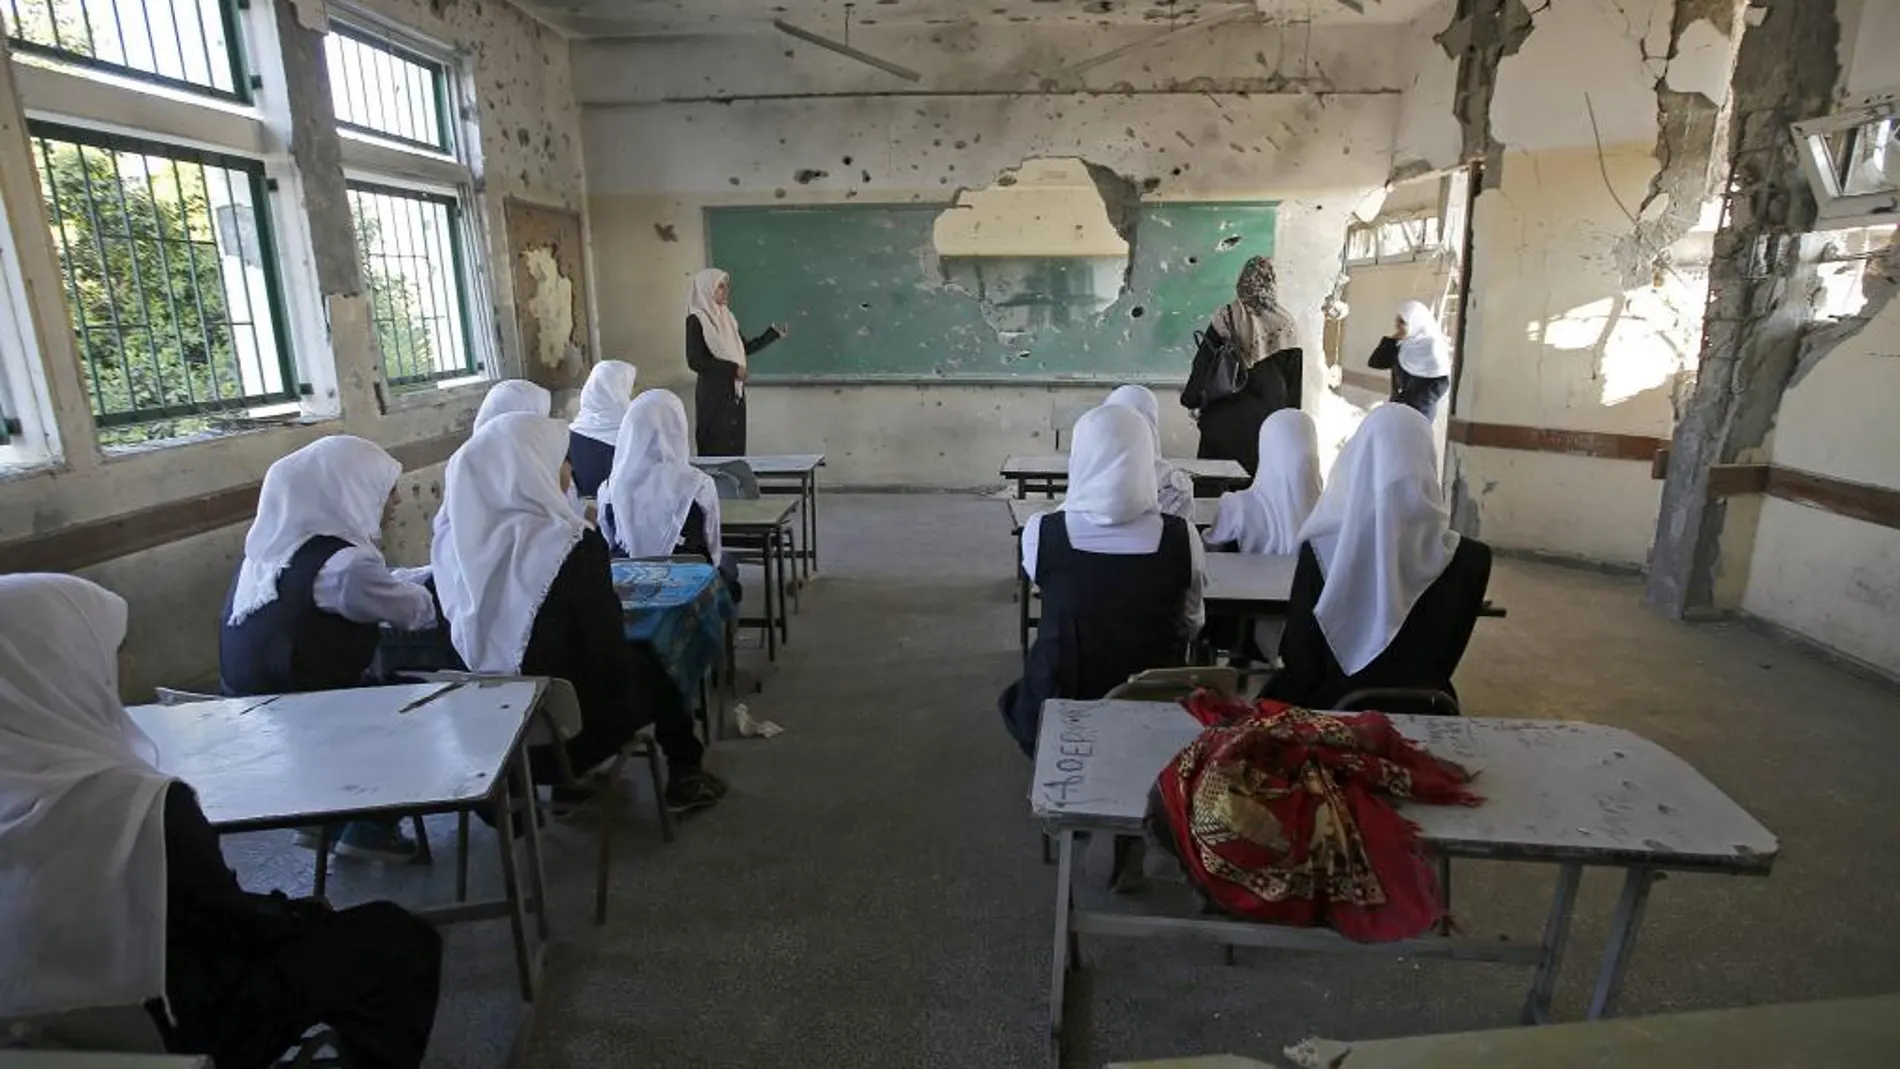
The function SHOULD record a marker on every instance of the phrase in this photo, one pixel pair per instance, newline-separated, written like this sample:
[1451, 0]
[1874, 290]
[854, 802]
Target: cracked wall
[979, 115]
[1834, 579]
[1603, 137]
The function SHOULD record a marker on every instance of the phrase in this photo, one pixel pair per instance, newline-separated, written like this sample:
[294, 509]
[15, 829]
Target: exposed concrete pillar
[1760, 280]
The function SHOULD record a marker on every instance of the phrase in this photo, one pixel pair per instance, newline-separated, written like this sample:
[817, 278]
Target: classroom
[1384, 504]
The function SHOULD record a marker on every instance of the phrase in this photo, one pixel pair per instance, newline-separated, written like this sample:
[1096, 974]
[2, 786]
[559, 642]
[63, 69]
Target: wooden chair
[556, 719]
[173, 696]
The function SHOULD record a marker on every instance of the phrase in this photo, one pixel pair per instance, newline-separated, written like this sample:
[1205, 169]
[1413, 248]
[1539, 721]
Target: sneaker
[719, 786]
[688, 791]
[376, 842]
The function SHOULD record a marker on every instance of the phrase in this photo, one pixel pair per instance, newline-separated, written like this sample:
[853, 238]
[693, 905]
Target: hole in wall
[1228, 242]
[1047, 246]
[1137, 312]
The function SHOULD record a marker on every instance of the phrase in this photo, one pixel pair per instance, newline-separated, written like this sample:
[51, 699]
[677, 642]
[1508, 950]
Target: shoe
[376, 842]
[688, 791]
[719, 786]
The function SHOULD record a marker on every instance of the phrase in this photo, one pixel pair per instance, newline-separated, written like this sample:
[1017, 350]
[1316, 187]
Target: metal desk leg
[511, 883]
[537, 875]
[771, 602]
[811, 515]
[326, 840]
[788, 566]
[777, 555]
[1556, 934]
[1625, 924]
[1059, 950]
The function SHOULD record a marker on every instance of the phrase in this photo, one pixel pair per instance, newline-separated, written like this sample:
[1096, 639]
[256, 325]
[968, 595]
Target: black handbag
[1217, 378]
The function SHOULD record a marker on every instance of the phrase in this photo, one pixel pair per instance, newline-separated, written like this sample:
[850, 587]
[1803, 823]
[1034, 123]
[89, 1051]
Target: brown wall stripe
[1600, 444]
[1860, 501]
[69, 549]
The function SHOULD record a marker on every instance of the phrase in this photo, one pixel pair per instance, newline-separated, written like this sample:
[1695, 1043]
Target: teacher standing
[717, 352]
[1255, 332]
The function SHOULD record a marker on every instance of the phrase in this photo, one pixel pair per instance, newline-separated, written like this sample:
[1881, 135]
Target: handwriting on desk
[1075, 746]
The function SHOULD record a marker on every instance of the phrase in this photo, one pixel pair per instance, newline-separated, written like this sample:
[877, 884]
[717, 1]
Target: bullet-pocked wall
[1601, 133]
[528, 148]
[1304, 116]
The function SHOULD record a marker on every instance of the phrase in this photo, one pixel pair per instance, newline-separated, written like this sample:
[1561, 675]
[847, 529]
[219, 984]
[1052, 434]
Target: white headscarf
[1424, 351]
[510, 529]
[513, 395]
[604, 399]
[1174, 488]
[82, 836]
[652, 487]
[334, 486]
[1267, 515]
[1381, 532]
[1111, 467]
[715, 319]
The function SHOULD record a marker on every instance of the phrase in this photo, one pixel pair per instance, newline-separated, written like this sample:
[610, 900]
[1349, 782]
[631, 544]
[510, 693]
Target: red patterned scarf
[1281, 814]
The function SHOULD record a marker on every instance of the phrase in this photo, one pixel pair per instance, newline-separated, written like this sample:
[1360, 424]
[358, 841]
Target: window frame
[405, 167]
[474, 362]
[1836, 210]
[236, 55]
[364, 31]
[269, 260]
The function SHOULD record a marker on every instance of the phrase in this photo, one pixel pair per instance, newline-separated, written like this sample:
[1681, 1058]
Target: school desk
[763, 524]
[1049, 475]
[683, 612]
[324, 758]
[789, 473]
[1556, 792]
[77, 1059]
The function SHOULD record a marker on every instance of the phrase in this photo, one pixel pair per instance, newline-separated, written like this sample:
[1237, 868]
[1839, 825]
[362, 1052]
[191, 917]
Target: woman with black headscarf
[1255, 333]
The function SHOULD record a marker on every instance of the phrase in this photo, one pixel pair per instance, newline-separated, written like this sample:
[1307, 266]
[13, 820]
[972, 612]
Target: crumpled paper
[750, 727]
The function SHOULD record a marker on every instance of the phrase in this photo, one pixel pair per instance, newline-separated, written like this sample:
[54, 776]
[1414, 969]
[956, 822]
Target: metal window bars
[410, 245]
[388, 91]
[170, 275]
[191, 45]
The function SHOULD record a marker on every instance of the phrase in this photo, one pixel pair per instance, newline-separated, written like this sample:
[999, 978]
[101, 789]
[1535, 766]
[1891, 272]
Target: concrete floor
[871, 894]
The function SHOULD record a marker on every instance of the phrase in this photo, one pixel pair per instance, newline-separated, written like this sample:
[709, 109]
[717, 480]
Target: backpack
[1218, 378]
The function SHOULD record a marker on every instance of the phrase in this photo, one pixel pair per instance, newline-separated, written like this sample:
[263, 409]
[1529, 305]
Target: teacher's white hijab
[716, 321]
[1111, 467]
[334, 486]
[652, 487]
[1382, 533]
[1424, 351]
[82, 836]
[514, 395]
[604, 399]
[510, 529]
[1266, 517]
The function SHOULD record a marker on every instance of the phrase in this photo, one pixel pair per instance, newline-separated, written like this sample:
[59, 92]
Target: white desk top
[749, 513]
[1554, 790]
[278, 762]
[1249, 581]
[1206, 510]
[773, 463]
[1057, 464]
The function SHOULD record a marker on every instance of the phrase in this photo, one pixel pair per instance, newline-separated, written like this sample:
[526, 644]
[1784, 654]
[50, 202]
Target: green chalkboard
[867, 298]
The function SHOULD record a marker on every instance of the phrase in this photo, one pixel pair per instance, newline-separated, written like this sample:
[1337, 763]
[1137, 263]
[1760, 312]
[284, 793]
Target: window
[379, 88]
[411, 249]
[186, 44]
[1852, 160]
[409, 189]
[167, 259]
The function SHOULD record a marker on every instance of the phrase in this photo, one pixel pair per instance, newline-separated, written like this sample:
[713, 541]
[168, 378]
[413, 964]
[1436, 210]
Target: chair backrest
[171, 696]
[734, 478]
[1406, 701]
[1174, 684]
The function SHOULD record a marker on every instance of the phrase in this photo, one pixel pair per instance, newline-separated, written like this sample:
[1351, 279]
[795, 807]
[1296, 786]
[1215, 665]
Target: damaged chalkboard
[869, 300]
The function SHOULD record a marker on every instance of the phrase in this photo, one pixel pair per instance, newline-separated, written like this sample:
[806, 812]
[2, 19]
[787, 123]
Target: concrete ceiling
[629, 18]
